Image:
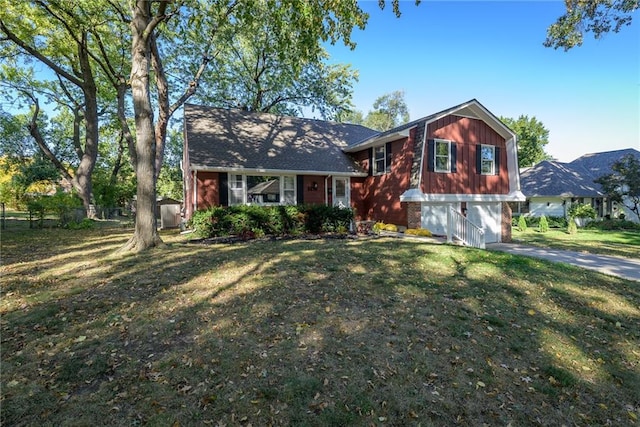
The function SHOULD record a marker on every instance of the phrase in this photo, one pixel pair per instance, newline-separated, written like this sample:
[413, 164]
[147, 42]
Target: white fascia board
[512, 165]
[373, 141]
[415, 195]
[261, 171]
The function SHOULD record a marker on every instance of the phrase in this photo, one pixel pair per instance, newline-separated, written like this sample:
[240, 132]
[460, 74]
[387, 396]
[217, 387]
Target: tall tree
[532, 138]
[623, 185]
[65, 53]
[79, 44]
[389, 111]
[593, 16]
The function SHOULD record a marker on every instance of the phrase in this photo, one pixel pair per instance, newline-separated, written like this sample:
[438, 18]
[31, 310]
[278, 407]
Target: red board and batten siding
[377, 197]
[467, 133]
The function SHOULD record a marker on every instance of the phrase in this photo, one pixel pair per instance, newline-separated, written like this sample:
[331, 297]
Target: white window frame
[288, 191]
[491, 162]
[241, 198]
[376, 158]
[436, 156]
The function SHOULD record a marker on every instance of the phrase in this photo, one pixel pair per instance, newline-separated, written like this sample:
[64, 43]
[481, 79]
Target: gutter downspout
[326, 190]
[195, 191]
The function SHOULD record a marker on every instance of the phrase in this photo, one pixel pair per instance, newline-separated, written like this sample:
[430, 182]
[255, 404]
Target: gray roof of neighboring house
[599, 164]
[574, 179]
[555, 179]
[221, 139]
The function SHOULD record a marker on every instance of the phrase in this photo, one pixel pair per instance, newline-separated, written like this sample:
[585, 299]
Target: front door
[341, 196]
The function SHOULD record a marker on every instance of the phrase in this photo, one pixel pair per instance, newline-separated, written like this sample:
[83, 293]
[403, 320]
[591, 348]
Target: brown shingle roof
[221, 139]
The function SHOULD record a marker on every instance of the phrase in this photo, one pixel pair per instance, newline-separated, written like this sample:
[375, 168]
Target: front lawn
[604, 242]
[377, 331]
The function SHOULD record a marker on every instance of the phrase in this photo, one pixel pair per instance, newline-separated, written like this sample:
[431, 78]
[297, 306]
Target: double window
[262, 190]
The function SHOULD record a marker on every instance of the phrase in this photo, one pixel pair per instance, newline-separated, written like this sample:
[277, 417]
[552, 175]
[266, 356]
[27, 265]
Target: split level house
[447, 170]
[551, 187]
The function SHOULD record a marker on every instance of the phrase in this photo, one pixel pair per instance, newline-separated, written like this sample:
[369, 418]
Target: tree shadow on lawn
[321, 332]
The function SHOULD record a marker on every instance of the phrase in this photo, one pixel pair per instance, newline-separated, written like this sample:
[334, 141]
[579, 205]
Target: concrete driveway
[627, 268]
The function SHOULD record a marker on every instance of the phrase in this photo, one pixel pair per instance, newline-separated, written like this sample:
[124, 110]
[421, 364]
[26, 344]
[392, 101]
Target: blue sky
[447, 52]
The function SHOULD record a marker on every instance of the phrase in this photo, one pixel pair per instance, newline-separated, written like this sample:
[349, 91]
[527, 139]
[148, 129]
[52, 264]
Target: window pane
[442, 164]
[263, 189]
[442, 148]
[340, 188]
[487, 152]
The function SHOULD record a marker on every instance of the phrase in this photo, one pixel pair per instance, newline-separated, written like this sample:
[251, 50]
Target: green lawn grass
[617, 243]
[376, 331]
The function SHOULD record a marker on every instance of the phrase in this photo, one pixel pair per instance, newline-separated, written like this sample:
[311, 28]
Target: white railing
[461, 228]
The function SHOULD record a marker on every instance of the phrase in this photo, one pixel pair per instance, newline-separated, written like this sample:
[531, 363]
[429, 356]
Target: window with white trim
[380, 159]
[289, 190]
[262, 190]
[442, 156]
[236, 190]
[487, 159]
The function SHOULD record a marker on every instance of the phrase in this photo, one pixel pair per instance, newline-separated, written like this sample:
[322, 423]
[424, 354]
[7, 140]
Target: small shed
[168, 210]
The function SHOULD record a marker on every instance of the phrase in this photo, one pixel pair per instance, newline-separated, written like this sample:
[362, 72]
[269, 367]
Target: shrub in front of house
[258, 221]
[543, 226]
[572, 227]
[614, 224]
[418, 232]
[522, 223]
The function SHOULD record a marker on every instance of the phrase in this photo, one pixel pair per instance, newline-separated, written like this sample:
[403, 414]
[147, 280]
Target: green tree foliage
[595, 16]
[532, 138]
[522, 223]
[623, 185]
[543, 226]
[389, 111]
[582, 211]
[572, 227]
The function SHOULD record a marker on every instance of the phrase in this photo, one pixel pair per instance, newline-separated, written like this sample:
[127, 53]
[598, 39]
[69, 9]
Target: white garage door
[434, 217]
[488, 216]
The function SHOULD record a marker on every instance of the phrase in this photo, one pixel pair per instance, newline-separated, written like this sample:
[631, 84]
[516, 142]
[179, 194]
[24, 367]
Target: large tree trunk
[84, 172]
[146, 234]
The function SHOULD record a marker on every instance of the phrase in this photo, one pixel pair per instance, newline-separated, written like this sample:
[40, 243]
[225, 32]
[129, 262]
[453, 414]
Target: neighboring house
[463, 158]
[551, 187]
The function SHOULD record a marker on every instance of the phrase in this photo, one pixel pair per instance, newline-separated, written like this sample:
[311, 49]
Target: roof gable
[223, 139]
[472, 108]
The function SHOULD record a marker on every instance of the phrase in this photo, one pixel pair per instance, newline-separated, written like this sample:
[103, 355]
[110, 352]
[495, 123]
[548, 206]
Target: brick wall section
[414, 215]
[208, 185]
[506, 222]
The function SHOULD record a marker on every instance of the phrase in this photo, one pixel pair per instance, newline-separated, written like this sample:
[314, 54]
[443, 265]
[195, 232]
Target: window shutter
[223, 188]
[387, 162]
[478, 159]
[497, 154]
[300, 189]
[430, 157]
[454, 157]
[371, 161]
